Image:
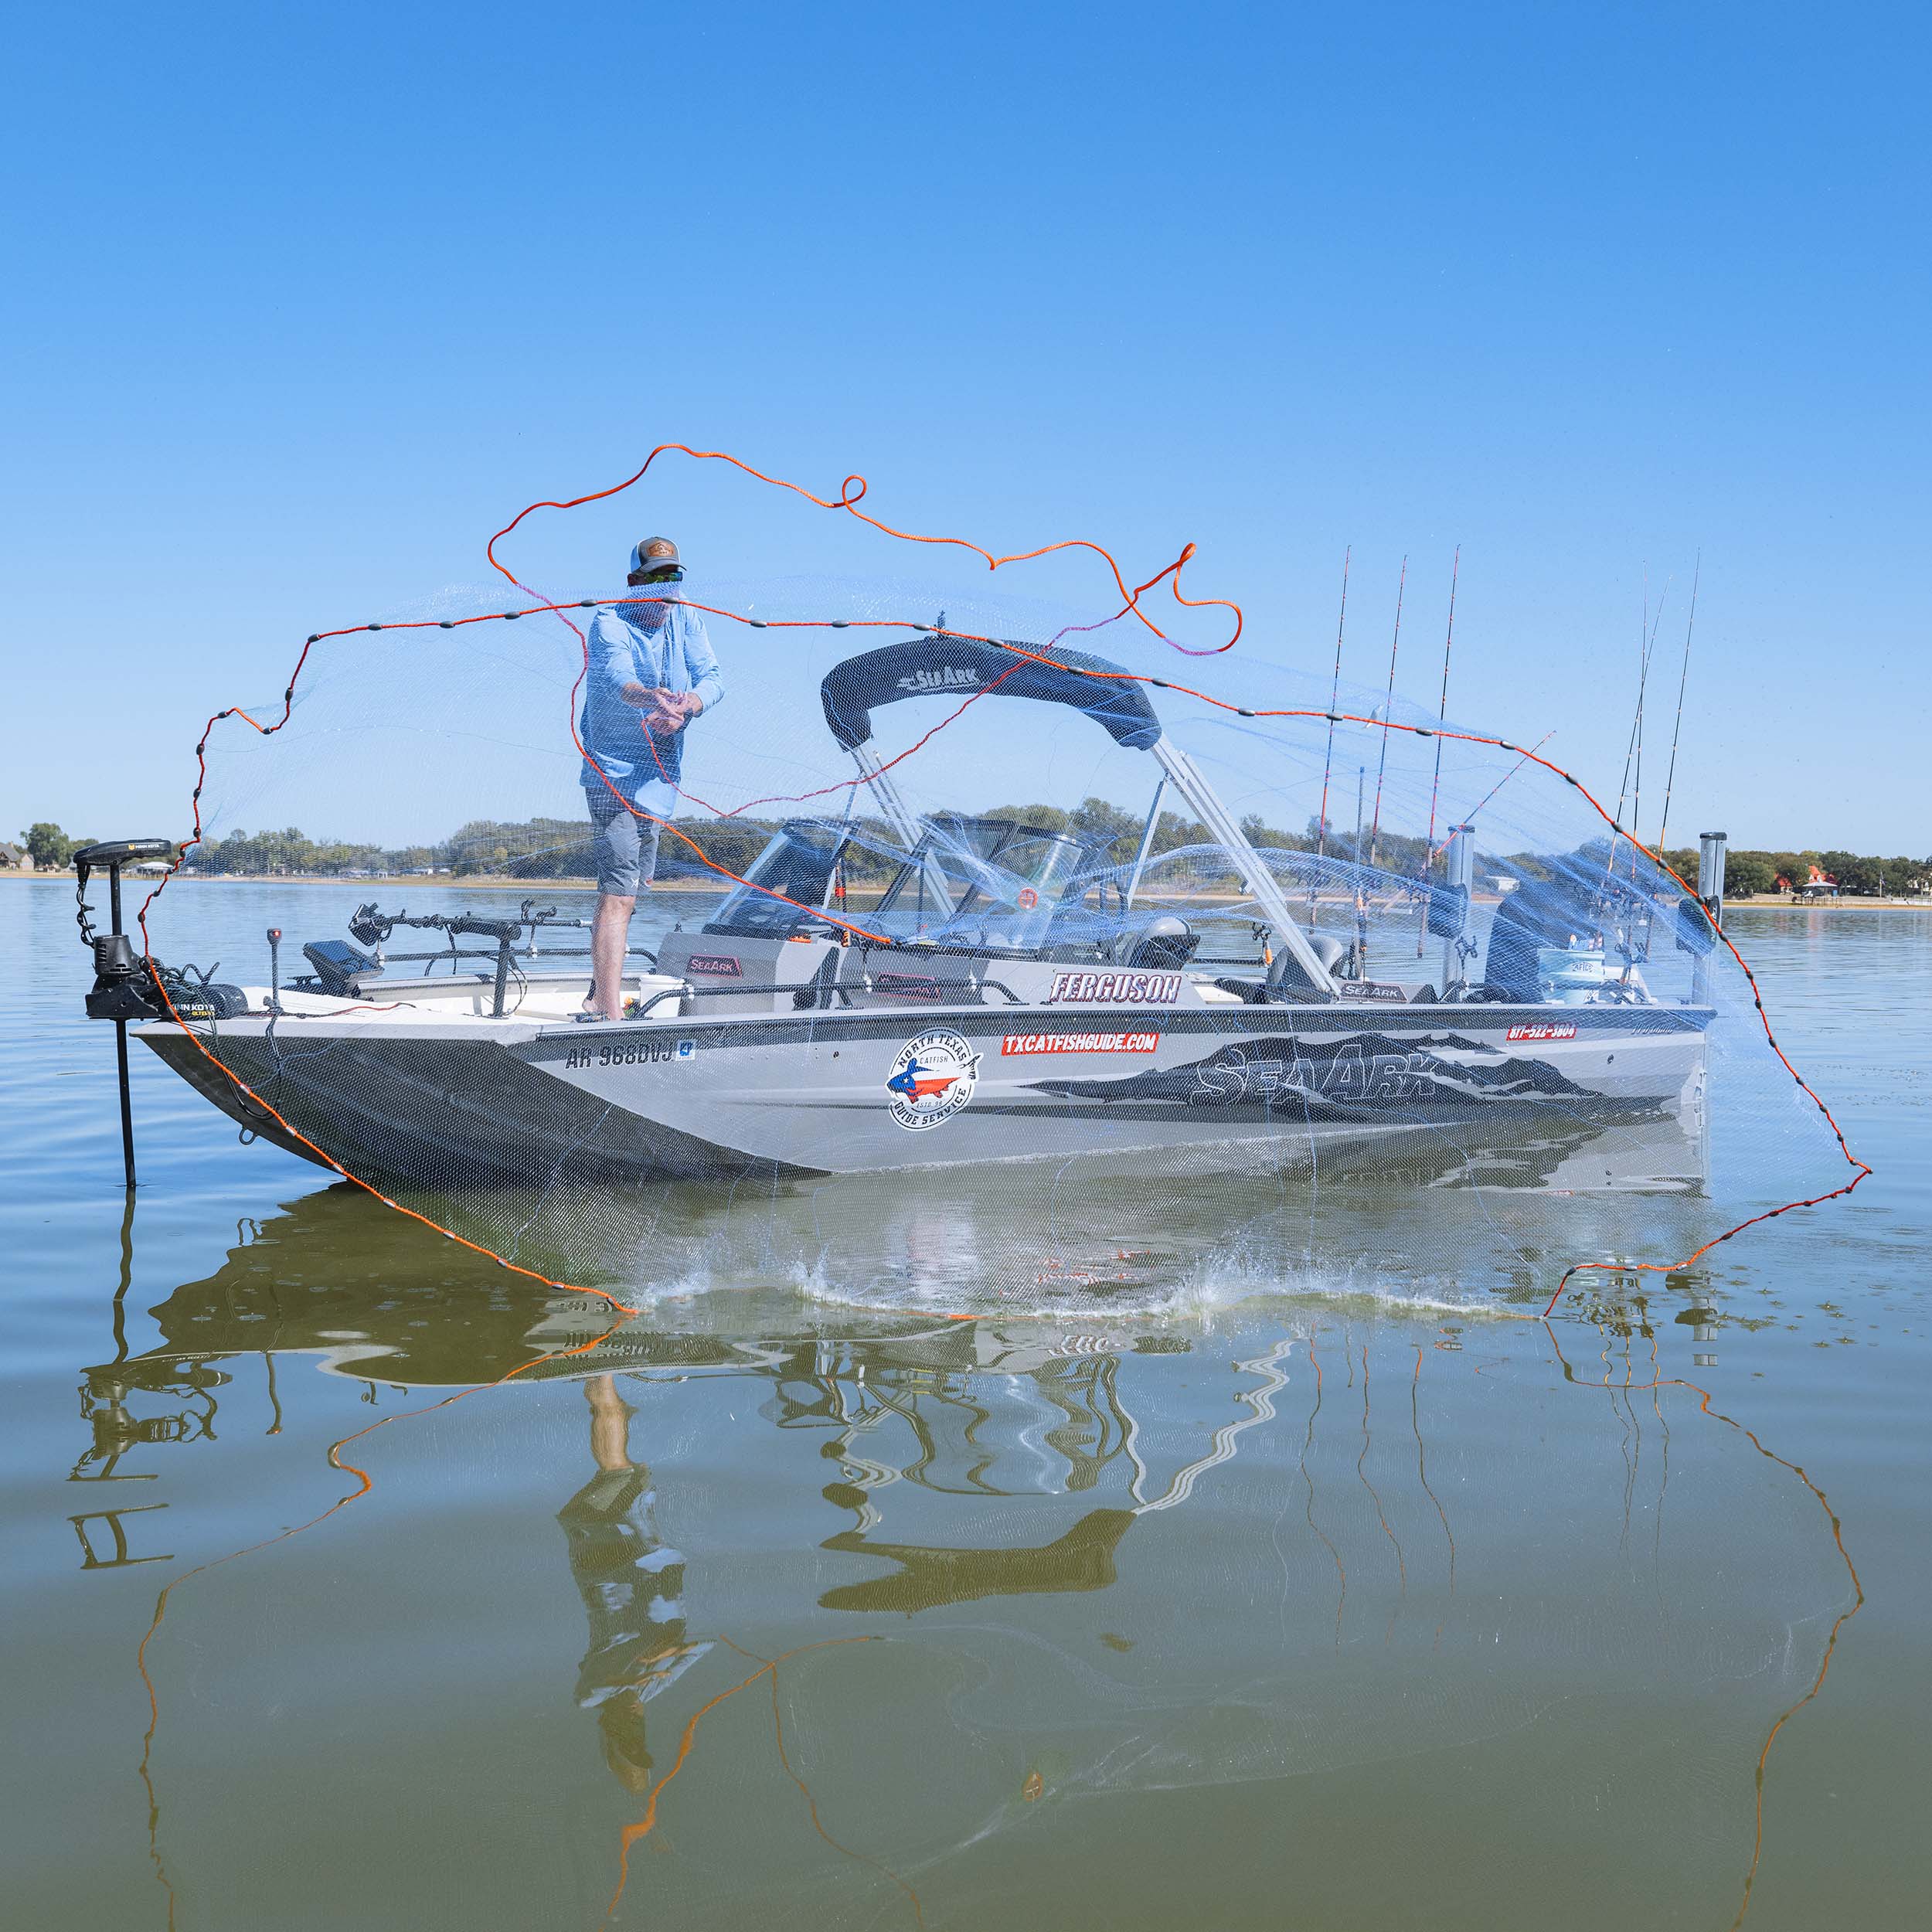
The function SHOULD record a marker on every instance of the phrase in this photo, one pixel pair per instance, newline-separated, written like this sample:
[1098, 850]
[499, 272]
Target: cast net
[1002, 953]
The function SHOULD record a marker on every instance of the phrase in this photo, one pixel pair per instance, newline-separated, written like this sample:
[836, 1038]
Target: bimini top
[943, 666]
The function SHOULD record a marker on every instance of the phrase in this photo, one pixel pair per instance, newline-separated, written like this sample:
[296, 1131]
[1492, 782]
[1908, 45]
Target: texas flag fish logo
[932, 1079]
[918, 1082]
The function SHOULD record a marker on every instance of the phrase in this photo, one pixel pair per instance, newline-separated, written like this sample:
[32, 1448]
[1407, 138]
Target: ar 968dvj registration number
[630, 1052]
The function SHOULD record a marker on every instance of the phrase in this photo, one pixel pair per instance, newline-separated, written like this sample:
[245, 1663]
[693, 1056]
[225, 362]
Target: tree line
[1748, 873]
[1119, 832]
[544, 848]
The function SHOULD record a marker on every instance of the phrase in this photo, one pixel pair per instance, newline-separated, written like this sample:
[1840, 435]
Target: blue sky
[303, 303]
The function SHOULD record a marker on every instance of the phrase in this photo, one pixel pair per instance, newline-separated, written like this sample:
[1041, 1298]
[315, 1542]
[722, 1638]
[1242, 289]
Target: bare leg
[610, 1423]
[610, 930]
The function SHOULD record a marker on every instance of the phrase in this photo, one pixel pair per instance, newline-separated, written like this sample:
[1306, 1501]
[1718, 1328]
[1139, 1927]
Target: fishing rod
[1328, 762]
[1629, 744]
[1643, 685]
[1388, 712]
[1633, 747]
[1470, 816]
[1442, 710]
[1442, 718]
[1335, 695]
[1683, 679]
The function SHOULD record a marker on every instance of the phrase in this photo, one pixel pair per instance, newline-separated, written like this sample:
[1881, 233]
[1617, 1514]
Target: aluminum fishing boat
[1014, 993]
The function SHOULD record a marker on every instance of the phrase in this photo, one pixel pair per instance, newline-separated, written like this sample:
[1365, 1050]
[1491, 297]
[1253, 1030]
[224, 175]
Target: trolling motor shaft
[124, 986]
[116, 993]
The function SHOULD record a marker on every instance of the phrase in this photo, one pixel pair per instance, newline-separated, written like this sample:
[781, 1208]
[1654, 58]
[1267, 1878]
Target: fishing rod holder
[340, 969]
[1699, 919]
[1448, 906]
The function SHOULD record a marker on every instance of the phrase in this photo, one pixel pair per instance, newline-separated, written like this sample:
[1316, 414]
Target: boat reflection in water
[1467, 1215]
[1107, 1551]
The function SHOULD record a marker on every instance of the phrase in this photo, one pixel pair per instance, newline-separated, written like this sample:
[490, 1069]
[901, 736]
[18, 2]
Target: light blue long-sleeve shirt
[677, 656]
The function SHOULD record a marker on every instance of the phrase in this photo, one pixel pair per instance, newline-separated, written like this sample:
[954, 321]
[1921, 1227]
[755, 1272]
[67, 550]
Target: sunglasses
[670, 574]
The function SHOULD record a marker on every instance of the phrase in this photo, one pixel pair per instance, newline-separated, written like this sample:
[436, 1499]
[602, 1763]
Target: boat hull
[884, 1091]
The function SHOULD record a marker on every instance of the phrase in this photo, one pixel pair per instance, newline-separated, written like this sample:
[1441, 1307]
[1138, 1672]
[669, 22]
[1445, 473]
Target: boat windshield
[984, 883]
[793, 872]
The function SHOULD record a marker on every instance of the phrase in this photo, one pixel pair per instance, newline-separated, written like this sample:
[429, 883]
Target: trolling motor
[124, 986]
[122, 990]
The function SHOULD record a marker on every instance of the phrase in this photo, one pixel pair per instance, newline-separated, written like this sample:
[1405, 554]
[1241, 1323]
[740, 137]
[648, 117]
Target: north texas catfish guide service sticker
[933, 1078]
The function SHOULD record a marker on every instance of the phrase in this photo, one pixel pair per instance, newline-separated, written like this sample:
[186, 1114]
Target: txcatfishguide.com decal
[933, 1078]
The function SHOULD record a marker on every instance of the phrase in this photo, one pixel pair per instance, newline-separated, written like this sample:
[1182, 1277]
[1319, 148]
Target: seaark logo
[952, 678]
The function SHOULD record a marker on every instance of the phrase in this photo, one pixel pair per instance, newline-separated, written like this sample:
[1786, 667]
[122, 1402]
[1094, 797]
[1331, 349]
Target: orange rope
[644, 1826]
[847, 500]
[322, 1154]
[811, 1805]
[364, 1484]
[1845, 1555]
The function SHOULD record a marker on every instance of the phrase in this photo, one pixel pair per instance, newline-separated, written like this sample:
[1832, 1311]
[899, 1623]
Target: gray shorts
[626, 846]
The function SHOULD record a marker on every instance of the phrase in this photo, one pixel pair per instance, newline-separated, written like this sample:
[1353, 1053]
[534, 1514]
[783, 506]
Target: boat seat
[1286, 980]
[1327, 948]
[1163, 944]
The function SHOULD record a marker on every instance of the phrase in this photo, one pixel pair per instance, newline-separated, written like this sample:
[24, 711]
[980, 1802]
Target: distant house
[1820, 885]
[14, 858]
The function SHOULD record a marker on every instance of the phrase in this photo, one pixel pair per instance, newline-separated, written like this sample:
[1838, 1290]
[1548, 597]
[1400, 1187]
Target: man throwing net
[651, 671]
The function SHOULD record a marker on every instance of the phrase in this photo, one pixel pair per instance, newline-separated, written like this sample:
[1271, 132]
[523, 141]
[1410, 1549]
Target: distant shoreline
[410, 882]
[535, 888]
[1781, 903]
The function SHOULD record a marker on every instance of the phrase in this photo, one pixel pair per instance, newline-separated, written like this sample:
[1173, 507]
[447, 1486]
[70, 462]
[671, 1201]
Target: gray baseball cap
[654, 554]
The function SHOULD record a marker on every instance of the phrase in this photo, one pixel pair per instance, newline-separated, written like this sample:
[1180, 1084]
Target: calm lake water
[1330, 1604]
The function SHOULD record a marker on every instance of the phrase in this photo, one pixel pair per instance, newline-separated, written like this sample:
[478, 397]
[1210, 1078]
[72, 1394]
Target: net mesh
[1000, 952]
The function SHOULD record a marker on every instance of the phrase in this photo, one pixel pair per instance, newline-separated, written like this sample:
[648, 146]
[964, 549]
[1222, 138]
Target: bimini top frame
[940, 665]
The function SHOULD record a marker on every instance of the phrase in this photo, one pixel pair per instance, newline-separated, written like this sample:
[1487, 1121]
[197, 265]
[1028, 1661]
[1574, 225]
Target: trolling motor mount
[121, 989]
